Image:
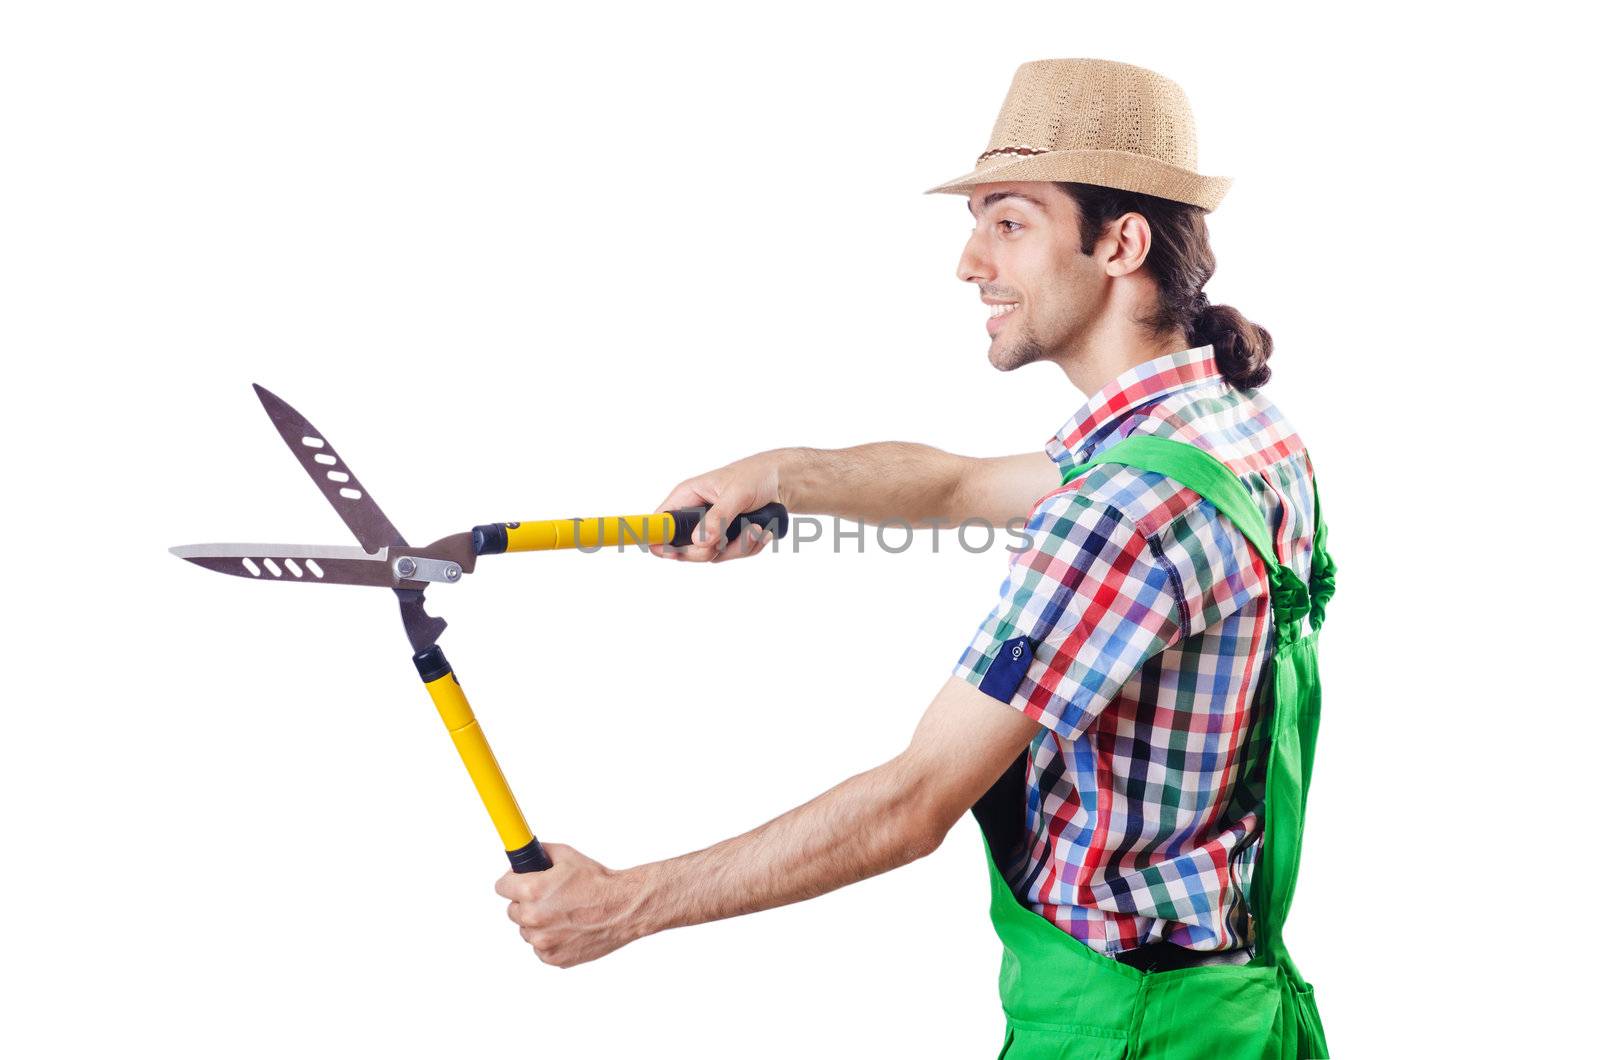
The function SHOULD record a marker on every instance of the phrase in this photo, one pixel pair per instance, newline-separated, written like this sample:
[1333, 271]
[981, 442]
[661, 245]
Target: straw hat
[1095, 121]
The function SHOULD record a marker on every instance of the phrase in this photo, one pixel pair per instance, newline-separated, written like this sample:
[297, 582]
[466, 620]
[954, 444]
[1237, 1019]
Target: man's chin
[1010, 357]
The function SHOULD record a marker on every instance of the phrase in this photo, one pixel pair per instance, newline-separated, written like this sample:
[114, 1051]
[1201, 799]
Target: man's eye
[1009, 223]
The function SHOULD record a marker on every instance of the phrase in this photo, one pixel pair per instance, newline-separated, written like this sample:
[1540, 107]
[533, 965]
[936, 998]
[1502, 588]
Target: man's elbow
[920, 813]
[923, 831]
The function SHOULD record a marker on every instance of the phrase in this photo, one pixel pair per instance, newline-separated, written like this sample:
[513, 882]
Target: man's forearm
[874, 483]
[865, 826]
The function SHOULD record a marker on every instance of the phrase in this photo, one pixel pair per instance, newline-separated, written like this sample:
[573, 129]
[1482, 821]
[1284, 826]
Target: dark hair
[1180, 261]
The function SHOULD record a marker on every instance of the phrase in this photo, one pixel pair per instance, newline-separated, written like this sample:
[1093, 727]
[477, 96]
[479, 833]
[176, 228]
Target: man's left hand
[574, 911]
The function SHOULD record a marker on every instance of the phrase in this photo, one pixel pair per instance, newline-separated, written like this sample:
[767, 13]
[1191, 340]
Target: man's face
[1024, 250]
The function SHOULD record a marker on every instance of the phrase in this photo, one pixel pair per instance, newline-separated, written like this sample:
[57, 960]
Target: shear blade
[332, 476]
[328, 564]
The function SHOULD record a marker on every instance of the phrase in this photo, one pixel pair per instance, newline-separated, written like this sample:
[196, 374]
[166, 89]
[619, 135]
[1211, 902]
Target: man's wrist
[652, 905]
[801, 481]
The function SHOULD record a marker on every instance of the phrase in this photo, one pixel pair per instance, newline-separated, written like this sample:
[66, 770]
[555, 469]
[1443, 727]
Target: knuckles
[545, 950]
[525, 914]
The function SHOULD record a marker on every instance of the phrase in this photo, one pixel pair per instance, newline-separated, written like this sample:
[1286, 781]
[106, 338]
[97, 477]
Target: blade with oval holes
[309, 564]
[336, 481]
[324, 565]
[448, 560]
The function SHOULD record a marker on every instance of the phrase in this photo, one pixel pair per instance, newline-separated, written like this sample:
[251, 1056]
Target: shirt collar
[1145, 382]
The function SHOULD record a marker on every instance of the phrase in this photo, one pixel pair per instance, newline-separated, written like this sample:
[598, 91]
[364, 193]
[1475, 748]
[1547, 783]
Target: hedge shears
[384, 559]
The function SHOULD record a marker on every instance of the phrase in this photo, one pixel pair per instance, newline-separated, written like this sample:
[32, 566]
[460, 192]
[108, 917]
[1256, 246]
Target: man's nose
[974, 265]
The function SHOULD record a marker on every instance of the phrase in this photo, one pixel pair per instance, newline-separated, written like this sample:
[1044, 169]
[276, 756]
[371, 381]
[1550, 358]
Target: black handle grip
[530, 858]
[774, 517]
[489, 539]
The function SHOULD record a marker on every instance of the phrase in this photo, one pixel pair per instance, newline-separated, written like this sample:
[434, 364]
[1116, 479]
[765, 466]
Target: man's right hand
[873, 483]
[742, 486]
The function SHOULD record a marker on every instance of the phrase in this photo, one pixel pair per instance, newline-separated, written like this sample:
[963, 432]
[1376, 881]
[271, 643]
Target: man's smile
[998, 312]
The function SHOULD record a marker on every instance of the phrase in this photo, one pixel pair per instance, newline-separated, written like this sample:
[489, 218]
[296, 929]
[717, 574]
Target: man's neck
[1109, 352]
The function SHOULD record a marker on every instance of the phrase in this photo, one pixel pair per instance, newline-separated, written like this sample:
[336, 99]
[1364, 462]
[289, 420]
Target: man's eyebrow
[995, 196]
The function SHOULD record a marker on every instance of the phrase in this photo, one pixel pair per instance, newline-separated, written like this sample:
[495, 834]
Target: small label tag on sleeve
[1007, 669]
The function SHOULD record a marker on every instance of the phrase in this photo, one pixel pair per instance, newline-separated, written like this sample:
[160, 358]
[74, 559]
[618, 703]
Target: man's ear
[1126, 240]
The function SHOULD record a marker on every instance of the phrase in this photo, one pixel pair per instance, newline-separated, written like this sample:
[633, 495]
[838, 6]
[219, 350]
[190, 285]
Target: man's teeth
[996, 310]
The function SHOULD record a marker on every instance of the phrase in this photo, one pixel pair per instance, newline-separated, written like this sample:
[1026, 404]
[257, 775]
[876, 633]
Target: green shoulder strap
[1216, 482]
[1201, 472]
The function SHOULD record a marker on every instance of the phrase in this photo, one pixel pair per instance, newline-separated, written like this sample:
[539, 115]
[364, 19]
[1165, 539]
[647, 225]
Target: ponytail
[1241, 347]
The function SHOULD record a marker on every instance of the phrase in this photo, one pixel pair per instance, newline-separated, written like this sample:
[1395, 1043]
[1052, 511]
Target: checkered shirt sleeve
[1081, 610]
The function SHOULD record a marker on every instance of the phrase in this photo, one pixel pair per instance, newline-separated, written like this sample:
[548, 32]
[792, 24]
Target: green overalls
[1063, 999]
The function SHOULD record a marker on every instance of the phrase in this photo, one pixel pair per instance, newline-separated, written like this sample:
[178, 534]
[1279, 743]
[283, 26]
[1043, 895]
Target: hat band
[1011, 151]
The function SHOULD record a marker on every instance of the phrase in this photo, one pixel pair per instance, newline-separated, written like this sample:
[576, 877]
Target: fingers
[690, 493]
[728, 492]
[750, 542]
[709, 539]
[712, 533]
[710, 542]
[711, 536]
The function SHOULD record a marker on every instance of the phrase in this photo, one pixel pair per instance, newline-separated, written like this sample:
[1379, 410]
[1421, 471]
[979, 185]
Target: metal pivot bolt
[452, 573]
[406, 566]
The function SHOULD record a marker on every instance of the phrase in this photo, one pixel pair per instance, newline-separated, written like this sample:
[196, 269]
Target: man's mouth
[998, 314]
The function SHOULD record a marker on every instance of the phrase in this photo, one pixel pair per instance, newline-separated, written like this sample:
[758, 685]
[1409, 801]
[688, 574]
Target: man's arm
[875, 483]
[914, 483]
[876, 821]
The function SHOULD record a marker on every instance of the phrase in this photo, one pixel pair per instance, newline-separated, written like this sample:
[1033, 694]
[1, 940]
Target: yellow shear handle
[589, 533]
[661, 528]
[525, 852]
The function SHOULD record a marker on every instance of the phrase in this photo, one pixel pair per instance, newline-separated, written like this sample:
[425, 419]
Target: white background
[526, 264]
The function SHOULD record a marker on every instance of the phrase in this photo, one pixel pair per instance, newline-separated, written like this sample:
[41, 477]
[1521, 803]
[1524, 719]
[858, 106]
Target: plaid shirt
[1146, 615]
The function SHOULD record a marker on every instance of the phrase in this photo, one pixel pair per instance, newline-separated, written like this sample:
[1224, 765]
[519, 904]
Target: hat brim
[1109, 169]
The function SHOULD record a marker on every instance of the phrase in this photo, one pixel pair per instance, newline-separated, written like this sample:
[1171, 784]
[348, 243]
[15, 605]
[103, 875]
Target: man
[1099, 724]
